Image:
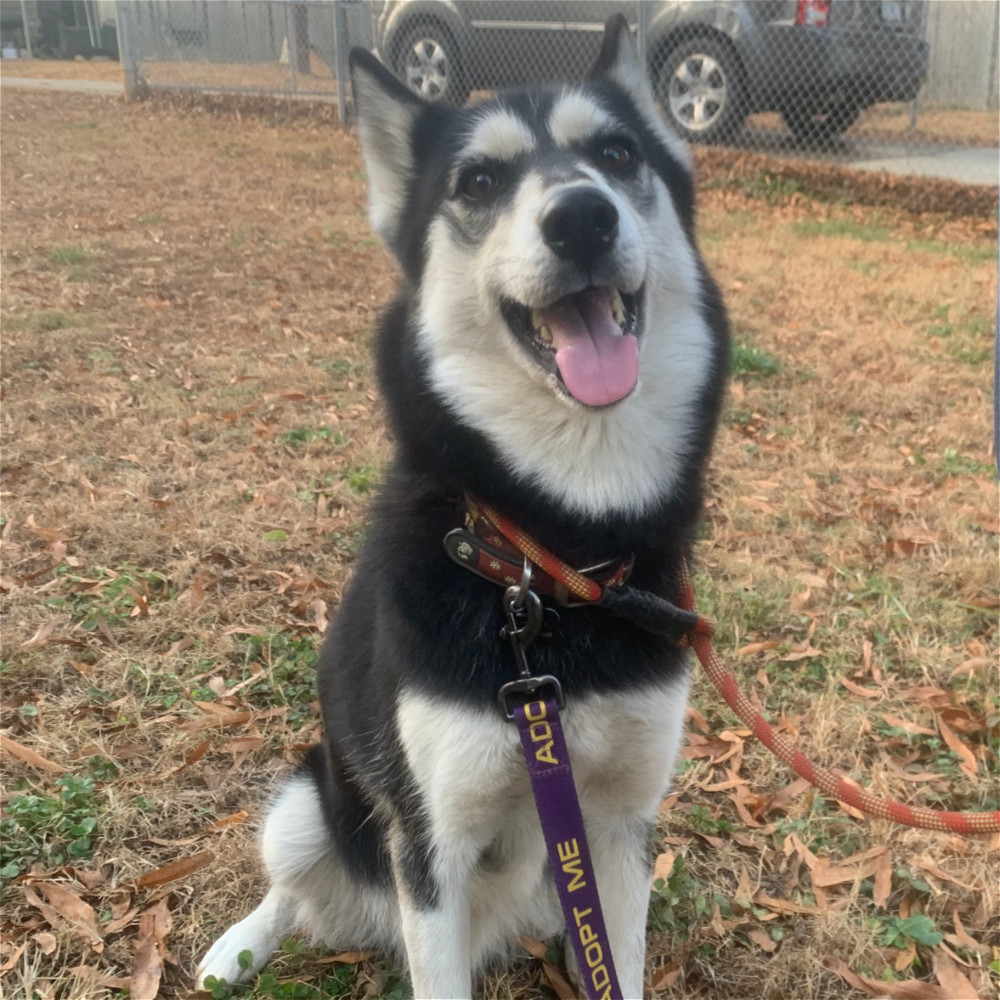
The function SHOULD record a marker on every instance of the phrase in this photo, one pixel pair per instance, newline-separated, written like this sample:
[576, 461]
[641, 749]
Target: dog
[557, 350]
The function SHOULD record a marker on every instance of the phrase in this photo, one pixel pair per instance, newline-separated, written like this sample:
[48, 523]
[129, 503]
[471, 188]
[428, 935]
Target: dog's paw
[240, 953]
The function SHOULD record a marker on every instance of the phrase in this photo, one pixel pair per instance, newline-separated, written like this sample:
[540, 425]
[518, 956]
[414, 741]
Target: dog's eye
[479, 184]
[615, 157]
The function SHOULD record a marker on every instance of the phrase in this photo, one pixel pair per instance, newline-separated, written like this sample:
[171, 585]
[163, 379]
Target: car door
[515, 42]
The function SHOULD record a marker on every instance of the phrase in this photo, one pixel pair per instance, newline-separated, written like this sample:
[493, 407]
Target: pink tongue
[598, 363]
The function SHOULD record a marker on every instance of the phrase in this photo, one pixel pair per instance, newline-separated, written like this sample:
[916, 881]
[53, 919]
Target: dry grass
[190, 434]
[260, 76]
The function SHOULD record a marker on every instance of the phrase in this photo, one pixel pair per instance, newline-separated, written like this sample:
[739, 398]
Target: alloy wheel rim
[426, 68]
[698, 92]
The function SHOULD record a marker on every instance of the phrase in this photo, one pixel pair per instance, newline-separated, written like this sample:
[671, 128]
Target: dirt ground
[191, 435]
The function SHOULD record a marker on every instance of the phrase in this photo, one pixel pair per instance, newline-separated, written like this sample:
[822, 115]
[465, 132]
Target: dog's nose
[580, 224]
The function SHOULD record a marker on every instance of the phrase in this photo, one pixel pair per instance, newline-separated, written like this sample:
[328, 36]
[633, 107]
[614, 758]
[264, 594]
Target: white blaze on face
[498, 136]
[575, 118]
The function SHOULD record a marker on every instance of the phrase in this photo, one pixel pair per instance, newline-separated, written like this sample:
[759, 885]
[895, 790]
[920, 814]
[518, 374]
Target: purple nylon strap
[562, 825]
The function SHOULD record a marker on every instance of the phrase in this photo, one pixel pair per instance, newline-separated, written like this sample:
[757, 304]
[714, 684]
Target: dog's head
[546, 236]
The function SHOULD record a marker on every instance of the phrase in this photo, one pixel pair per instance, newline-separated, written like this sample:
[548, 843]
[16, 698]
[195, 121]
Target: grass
[69, 255]
[968, 254]
[49, 320]
[185, 490]
[867, 232]
[750, 361]
[51, 829]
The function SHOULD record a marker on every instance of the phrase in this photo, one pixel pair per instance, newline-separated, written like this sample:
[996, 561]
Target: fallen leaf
[857, 688]
[121, 922]
[147, 965]
[938, 872]
[664, 865]
[883, 880]
[64, 908]
[762, 939]
[968, 761]
[783, 797]
[801, 654]
[667, 976]
[233, 819]
[757, 647]
[243, 744]
[783, 905]
[952, 978]
[220, 721]
[175, 870]
[13, 958]
[29, 756]
[692, 715]
[346, 957]
[556, 980]
[906, 957]
[908, 989]
[90, 879]
[908, 727]
[963, 939]
[534, 947]
[46, 941]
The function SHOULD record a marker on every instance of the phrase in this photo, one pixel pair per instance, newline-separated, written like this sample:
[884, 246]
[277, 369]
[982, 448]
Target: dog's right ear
[386, 112]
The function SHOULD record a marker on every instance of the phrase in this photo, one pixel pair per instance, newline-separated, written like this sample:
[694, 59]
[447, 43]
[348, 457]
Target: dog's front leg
[620, 849]
[433, 888]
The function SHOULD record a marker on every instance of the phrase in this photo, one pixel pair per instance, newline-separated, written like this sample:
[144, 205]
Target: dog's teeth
[617, 306]
[544, 334]
[537, 323]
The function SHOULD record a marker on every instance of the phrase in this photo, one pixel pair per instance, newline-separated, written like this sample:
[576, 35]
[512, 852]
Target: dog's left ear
[619, 61]
[386, 112]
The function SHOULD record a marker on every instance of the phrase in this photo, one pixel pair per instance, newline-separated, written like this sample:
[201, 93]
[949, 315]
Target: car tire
[427, 61]
[816, 128]
[700, 86]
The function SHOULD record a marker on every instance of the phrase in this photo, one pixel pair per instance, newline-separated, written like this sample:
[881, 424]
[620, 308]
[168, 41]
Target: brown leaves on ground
[151, 952]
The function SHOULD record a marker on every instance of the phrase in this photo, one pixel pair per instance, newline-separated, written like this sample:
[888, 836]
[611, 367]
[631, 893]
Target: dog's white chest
[469, 769]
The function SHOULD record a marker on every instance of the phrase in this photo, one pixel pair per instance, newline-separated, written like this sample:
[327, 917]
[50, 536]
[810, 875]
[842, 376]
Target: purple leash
[569, 857]
[545, 753]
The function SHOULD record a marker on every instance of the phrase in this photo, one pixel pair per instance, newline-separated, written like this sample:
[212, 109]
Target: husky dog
[557, 349]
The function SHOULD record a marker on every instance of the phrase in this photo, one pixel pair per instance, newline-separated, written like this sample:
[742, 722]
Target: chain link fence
[763, 74]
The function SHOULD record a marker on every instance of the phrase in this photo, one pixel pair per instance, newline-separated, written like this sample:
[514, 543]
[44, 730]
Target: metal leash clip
[524, 612]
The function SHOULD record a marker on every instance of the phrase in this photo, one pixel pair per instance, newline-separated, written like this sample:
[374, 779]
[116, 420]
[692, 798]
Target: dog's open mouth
[587, 339]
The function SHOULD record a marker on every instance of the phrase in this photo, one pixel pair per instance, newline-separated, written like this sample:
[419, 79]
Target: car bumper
[827, 67]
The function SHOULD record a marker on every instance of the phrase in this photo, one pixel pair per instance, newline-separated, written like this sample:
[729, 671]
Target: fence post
[290, 44]
[126, 50]
[642, 31]
[27, 30]
[340, 58]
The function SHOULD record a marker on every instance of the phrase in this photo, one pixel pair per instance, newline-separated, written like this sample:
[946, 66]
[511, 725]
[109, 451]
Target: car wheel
[700, 87]
[820, 127]
[427, 62]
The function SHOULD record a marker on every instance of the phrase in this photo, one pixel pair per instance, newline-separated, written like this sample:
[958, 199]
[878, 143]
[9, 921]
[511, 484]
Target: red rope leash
[826, 781]
[785, 750]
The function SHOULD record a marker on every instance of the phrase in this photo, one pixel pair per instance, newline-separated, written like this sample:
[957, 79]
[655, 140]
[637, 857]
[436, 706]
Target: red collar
[498, 550]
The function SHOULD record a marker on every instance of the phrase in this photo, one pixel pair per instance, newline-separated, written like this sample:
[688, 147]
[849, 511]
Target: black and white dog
[557, 349]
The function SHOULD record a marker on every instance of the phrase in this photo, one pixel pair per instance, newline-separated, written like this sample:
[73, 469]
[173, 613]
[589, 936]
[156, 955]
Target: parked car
[712, 62]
